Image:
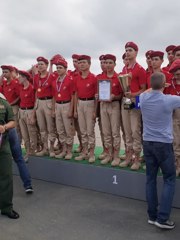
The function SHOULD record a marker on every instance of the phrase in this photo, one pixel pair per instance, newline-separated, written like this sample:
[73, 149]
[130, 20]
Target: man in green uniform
[6, 178]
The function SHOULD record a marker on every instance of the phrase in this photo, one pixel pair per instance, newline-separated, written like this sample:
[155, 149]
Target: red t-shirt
[115, 84]
[62, 91]
[138, 77]
[74, 73]
[85, 87]
[27, 96]
[11, 90]
[43, 86]
[174, 89]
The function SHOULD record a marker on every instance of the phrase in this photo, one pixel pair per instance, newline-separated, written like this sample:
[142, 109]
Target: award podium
[113, 180]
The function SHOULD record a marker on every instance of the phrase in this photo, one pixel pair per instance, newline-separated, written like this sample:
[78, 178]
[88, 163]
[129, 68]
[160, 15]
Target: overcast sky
[32, 28]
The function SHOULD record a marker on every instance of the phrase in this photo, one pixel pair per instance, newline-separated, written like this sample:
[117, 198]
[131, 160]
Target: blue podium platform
[125, 183]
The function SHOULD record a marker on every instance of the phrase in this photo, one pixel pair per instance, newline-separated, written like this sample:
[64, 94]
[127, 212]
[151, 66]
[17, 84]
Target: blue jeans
[161, 155]
[18, 157]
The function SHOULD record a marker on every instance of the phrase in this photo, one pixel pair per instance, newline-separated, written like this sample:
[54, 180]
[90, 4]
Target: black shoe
[166, 225]
[12, 214]
[29, 190]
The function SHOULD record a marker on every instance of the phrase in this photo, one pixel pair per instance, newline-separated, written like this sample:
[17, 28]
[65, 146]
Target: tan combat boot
[62, 154]
[128, 160]
[116, 158]
[136, 164]
[69, 154]
[92, 158]
[43, 152]
[108, 156]
[102, 155]
[83, 155]
[51, 150]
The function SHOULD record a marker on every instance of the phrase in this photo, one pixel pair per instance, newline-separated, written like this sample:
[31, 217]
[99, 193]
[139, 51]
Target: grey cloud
[31, 28]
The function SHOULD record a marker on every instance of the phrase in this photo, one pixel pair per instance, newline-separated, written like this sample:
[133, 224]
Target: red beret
[148, 53]
[175, 66]
[131, 45]
[10, 68]
[62, 62]
[15, 69]
[157, 54]
[75, 56]
[84, 57]
[42, 59]
[110, 56]
[56, 58]
[170, 48]
[176, 49]
[123, 56]
[24, 73]
[101, 57]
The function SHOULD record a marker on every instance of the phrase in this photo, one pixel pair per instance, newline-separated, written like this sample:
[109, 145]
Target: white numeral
[115, 179]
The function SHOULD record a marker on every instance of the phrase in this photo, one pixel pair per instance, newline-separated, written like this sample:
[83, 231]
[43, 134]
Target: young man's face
[149, 61]
[130, 53]
[170, 56]
[61, 70]
[21, 78]
[75, 63]
[103, 65]
[110, 65]
[156, 62]
[177, 55]
[177, 75]
[6, 73]
[126, 61]
[42, 66]
[83, 65]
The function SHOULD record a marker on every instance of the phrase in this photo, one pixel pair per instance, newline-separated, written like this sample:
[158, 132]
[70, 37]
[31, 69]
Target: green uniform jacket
[6, 180]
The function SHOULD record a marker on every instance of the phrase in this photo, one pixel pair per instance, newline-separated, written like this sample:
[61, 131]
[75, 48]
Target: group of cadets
[49, 107]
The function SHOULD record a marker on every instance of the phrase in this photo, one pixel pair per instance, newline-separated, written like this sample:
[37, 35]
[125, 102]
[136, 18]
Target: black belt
[86, 99]
[61, 102]
[45, 98]
[26, 108]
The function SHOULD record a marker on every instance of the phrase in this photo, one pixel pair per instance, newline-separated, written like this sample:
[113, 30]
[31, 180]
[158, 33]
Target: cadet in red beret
[10, 89]
[84, 57]
[63, 90]
[98, 115]
[102, 63]
[110, 114]
[27, 115]
[125, 59]
[176, 52]
[85, 87]
[157, 58]
[42, 59]
[74, 74]
[170, 57]
[46, 122]
[131, 45]
[174, 89]
[149, 63]
[132, 118]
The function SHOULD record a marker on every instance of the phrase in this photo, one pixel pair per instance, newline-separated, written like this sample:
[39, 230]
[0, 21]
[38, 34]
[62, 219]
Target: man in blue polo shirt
[157, 110]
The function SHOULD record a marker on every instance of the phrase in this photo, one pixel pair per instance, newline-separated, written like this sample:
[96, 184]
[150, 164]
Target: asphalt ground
[58, 212]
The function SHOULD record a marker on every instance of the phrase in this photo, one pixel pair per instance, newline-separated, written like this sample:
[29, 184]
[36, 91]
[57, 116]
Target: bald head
[158, 81]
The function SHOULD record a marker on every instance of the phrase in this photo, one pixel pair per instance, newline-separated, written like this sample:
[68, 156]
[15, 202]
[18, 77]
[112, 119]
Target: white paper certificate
[104, 87]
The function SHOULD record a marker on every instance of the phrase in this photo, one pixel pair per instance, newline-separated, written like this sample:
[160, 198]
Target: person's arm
[71, 109]
[75, 100]
[7, 126]
[118, 97]
[174, 100]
